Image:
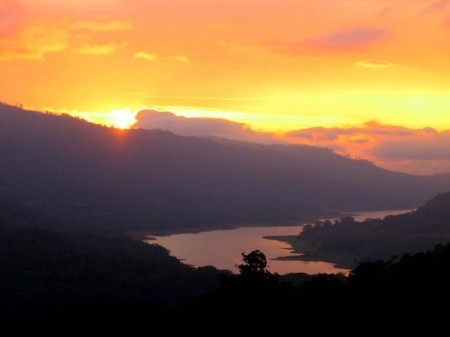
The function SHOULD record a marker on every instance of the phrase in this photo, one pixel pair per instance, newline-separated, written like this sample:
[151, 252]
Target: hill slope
[39, 267]
[90, 175]
[349, 242]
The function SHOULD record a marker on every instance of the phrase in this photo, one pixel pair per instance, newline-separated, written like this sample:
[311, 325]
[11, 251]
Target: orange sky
[276, 66]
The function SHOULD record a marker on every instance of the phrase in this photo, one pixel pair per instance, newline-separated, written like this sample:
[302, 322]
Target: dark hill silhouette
[41, 267]
[350, 242]
[376, 293]
[108, 281]
[89, 175]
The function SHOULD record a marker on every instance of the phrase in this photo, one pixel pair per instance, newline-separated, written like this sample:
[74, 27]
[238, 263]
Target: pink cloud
[11, 15]
[439, 4]
[418, 151]
[353, 37]
[374, 128]
[423, 145]
[397, 148]
[201, 127]
[337, 41]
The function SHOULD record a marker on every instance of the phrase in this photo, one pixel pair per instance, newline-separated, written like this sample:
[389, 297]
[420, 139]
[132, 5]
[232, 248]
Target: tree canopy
[255, 263]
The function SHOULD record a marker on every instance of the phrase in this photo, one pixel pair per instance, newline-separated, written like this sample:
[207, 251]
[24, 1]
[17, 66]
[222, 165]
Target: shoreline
[298, 255]
[310, 258]
[150, 234]
[302, 250]
[301, 221]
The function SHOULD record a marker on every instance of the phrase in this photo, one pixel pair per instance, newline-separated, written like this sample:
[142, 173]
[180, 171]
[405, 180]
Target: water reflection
[223, 248]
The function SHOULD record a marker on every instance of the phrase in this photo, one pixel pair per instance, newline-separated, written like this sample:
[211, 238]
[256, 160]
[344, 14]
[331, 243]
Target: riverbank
[151, 233]
[304, 250]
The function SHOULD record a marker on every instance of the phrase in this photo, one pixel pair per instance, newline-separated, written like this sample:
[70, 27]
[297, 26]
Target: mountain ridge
[74, 171]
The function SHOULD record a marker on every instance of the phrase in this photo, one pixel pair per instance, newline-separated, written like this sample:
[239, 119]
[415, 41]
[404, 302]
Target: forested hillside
[41, 267]
[349, 242]
[91, 176]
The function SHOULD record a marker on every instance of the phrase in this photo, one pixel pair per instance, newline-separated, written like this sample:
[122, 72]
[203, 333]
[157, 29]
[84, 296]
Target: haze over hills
[93, 176]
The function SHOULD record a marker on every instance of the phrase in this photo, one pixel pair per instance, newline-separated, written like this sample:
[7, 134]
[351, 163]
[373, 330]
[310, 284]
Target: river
[222, 248]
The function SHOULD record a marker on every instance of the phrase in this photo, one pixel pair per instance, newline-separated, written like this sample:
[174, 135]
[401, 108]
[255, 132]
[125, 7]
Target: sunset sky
[369, 78]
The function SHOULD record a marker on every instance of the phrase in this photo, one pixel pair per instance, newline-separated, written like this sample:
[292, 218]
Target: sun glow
[122, 118]
[321, 73]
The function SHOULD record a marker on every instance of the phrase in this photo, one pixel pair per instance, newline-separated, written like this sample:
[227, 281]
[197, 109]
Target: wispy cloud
[439, 4]
[98, 49]
[154, 57]
[373, 64]
[94, 26]
[336, 41]
[145, 56]
[180, 58]
[353, 36]
[34, 43]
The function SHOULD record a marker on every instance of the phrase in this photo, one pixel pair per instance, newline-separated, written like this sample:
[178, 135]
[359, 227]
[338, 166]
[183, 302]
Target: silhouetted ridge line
[88, 175]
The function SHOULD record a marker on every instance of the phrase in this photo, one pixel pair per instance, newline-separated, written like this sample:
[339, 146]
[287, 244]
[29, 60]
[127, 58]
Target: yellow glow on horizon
[304, 67]
[122, 118]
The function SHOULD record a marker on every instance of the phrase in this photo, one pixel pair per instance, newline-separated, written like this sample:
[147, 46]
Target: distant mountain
[349, 242]
[88, 175]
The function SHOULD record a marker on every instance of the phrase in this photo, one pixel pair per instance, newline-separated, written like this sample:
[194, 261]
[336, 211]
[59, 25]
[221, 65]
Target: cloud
[353, 37]
[437, 5]
[341, 40]
[397, 148]
[425, 144]
[83, 42]
[20, 40]
[34, 43]
[11, 17]
[98, 49]
[153, 57]
[373, 64]
[419, 151]
[374, 128]
[180, 58]
[94, 26]
[145, 56]
[201, 127]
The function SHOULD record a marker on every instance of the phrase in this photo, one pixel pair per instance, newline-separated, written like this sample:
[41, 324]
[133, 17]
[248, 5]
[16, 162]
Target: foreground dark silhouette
[109, 282]
[44, 270]
[409, 286]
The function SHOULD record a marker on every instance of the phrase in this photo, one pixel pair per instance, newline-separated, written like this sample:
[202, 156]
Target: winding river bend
[222, 248]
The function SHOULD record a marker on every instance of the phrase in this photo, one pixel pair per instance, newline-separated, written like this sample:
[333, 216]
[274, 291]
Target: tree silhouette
[255, 265]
